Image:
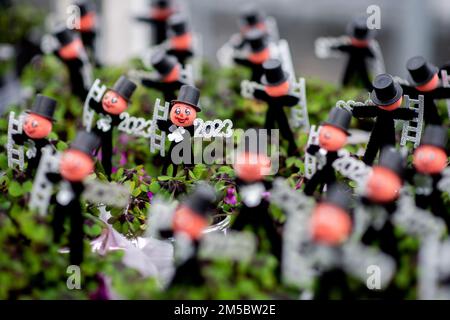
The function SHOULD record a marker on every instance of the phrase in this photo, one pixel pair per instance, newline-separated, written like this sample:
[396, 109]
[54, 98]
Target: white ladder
[96, 93]
[248, 88]
[158, 137]
[446, 84]
[299, 113]
[42, 187]
[412, 129]
[15, 153]
[310, 160]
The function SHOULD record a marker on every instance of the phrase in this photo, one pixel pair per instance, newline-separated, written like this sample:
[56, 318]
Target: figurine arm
[53, 177]
[342, 47]
[404, 114]
[365, 111]
[290, 101]
[312, 149]
[19, 138]
[408, 90]
[96, 106]
[242, 62]
[151, 83]
[145, 19]
[164, 125]
[260, 94]
[441, 93]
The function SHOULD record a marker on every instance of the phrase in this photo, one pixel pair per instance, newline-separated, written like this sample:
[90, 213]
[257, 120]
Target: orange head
[36, 126]
[161, 14]
[182, 115]
[330, 224]
[332, 138]
[182, 42]
[71, 50]
[259, 57]
[383, 185]
[75, 165]
[430, 85]
[252, 167]
[359, 43]
[393, 106]
[187, 221]
[278, 90]
[173, 75]
[114, 103]
[87, 22]
[429, 159]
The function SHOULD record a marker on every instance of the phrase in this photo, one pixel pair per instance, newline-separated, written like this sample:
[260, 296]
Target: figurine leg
[438, 207]
[372, 149]
[59, 215]
[76, 232]
[364, 76]
[330, 282]
[106, 138]
[311, 184]
[269, 123]
[348, 74]
[431, 113]
[286, 131]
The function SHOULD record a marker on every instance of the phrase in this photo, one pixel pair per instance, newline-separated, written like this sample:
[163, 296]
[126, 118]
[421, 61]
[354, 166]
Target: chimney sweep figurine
[73, 54]
[76, 164]
[250, 18]
[160, 12]
[115, 101]
[425, 81]
[387, 95]
[182, 114]
[332, 137]
[251, 167]
[180, 39]
[382, 189]
[331, 226]
[87, 26]
[258, 54]
[277, 94]
[37, 125]
[167, 77]
[189, 221]
[429, 161]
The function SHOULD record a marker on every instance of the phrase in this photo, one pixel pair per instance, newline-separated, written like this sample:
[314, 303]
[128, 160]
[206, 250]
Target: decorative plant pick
[160, 12]
[332, 138]
[87, 26]
[32, 128]
[361, 48]
[71, 169]
[278, 90]
[110, 104]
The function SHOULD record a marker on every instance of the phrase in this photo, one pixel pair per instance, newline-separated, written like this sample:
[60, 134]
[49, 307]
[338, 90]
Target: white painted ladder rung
[15, 153]
[446, 84]
[412, 129]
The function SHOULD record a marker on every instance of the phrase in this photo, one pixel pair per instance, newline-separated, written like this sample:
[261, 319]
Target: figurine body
[160, 12]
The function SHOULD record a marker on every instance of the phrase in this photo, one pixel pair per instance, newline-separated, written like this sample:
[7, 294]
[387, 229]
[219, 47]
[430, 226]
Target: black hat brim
[267, 83]
[41, 114]
[197, 108]
[378, 102]
[337, 126]
[434, 70]
[126, 99]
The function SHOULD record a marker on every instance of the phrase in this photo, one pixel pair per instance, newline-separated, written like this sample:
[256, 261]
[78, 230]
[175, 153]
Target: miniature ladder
[352, 168]
[15, 154]
[299, 113]
[310, 161]
[158, 137]
[95, 92]
[412, 129]
[42, 188]
[446, 84]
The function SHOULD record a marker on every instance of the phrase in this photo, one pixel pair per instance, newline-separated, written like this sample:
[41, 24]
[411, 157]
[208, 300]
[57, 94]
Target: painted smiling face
[383, 185]
[75, 165]
[113, 103]
[332, 138]
[36, 126]
[429, 159]
[252, 167]
[182, 115]
[330, 224]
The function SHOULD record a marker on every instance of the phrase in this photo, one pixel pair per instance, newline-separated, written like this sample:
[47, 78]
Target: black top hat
[339, 118]
[65, 36]
[189, 95]
[85, 7]
[340, 195]
[124, 88]
[163, 63]
[358, 29]
[86, 142]
[420, 71]
[385, 90]
[43, 106]
[257, 40]
[201, 200]
[178, 24]
[251, 16]
[392, 159]
[273, 73]
[161, 3]
[435, 135]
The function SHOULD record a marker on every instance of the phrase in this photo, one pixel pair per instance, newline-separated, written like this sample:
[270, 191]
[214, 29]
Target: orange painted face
[75, 165]
[331, 138]
[72, 50]
[259, 57]
[393, 106]
[161, 14]
[430, 85]
[383, 185]
[187, 221]
[182, 115]
[182, 42]
[36, 126]
[278, 90]
[429, 159]
[173, 75]
[330, 224]
[359, 43]
[113, 103]
[252, 167]
[87, 22]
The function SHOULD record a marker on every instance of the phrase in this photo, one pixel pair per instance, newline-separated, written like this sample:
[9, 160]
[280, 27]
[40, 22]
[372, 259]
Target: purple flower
[123, 159]
[114, 169]
[266, 195]
[150, 196]
[123, 139]
[230, 198]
